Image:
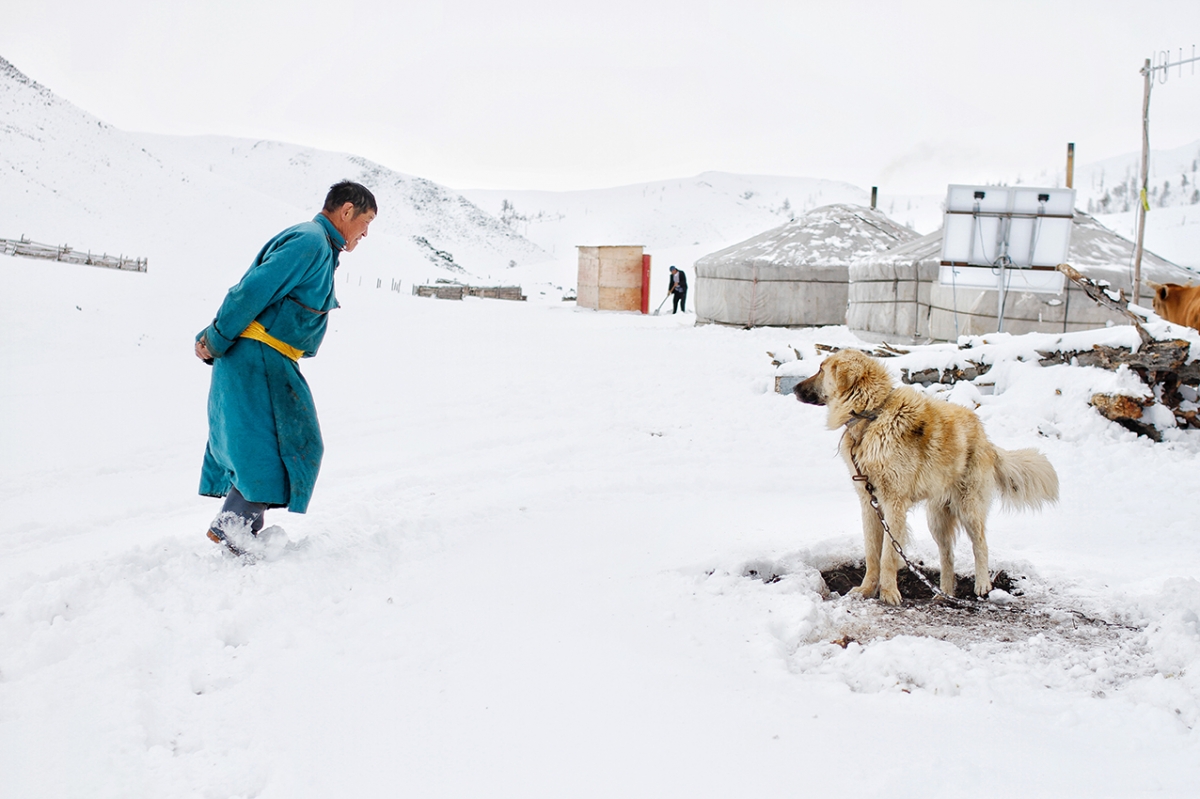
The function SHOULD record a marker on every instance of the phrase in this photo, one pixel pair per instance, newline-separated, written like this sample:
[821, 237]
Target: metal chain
[859, 477]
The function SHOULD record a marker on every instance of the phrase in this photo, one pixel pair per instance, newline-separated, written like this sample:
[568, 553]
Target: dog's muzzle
[809, 391]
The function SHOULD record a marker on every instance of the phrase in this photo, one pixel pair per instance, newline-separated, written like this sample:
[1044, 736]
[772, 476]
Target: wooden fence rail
[50, 252]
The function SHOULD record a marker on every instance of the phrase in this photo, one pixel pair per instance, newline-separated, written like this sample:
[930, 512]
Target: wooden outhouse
[610, 278]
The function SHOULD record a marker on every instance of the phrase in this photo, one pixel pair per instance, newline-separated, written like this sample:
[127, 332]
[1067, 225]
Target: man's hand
[202, 350]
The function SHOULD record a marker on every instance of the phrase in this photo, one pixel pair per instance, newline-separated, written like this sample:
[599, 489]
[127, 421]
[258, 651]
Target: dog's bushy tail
[1025, 478]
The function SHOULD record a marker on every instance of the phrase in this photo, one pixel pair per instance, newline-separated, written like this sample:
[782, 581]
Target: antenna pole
[1143, 200]
[1148, 73]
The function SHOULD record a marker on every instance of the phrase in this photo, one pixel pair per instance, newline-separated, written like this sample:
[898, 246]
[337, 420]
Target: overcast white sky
[526, 94]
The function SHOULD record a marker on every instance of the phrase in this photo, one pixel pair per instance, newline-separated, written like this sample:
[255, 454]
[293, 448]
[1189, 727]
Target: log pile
[948, 376]
[1163, 365]
[924, 377]
[1166, 367]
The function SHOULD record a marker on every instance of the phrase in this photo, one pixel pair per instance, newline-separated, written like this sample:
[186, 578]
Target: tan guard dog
[913, 448]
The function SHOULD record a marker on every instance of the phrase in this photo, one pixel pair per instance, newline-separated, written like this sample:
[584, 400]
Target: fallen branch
[1103, 295]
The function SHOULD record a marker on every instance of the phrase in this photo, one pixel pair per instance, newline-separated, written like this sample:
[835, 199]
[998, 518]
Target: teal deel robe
[263, 433]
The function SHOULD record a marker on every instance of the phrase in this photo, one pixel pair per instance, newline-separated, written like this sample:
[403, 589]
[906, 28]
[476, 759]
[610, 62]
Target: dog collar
[865, 416]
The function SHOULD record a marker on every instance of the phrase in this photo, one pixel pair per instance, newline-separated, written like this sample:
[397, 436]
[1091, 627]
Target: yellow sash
[259, 333]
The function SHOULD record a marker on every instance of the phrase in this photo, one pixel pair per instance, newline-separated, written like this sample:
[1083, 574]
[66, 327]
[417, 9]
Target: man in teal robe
[264, 441]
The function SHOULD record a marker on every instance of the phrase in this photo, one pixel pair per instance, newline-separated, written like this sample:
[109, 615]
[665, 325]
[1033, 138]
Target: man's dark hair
[349, 192]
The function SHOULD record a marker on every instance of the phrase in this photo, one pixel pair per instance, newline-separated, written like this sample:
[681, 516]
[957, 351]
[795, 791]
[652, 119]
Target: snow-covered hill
[1111, 185]
[430, 216]
[713, 209]
[708, 209]
[679, 221]
[69, 177]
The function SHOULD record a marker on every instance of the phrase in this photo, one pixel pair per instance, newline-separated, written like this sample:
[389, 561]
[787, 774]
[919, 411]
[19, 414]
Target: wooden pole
[1071, 165]
[1142, 198]
[874, 196]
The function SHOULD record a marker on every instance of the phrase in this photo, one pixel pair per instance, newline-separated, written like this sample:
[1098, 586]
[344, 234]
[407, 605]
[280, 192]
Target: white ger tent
[895, 295]
[795, 274]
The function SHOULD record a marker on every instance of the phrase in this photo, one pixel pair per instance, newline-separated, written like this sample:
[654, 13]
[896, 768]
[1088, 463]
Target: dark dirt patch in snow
[844, 576]
[1024, 614]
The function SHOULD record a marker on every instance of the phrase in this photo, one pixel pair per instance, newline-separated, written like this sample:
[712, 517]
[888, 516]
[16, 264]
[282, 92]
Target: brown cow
[1178, 304]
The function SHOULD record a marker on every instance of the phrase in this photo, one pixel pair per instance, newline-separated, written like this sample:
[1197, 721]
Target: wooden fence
[31, 249]
[456, 291]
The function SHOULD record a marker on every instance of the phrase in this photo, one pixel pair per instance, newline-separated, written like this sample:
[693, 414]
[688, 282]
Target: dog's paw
[863, 591]
[983, 586]
[890, 596]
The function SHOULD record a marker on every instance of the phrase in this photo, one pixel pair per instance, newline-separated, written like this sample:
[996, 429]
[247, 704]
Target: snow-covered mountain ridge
[63, 170]
[425, 213]
[1109, 189]
[712, 209]
[1111, 185]
[66, 172]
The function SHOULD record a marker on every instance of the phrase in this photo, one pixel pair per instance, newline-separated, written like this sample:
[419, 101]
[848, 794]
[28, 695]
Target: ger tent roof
[795, 274]
[896, 295]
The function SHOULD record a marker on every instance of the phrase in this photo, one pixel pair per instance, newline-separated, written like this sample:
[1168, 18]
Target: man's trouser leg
[239, 515]
[674, 301]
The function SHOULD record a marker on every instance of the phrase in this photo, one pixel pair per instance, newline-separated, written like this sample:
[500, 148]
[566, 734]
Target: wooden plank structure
[50, 252]
[610, 278]
[497, 292]
[442, 291]
[456, 291]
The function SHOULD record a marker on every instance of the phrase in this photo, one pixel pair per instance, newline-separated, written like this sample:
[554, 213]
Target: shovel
[660, 305]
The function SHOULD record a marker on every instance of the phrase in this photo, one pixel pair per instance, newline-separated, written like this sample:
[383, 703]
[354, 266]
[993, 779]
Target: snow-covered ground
[534, 566]
[552, 552]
